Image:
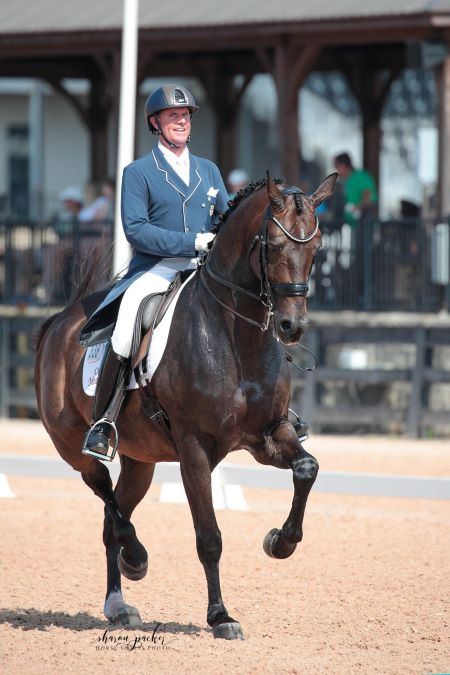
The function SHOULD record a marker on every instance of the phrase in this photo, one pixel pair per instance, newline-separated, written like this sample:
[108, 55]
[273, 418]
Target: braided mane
[241, 195]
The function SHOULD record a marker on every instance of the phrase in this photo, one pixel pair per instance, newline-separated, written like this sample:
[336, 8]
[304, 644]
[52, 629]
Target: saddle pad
[145, 370]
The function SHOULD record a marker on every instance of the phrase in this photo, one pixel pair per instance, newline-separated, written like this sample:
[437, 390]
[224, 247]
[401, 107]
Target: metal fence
[382, 266]
[400, 265]
[37, 261]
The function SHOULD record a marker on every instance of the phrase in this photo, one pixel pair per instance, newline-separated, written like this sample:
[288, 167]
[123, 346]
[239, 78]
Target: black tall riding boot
[109, 395]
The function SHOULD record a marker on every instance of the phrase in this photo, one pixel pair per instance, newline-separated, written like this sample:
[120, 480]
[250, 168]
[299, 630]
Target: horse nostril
[285, 326]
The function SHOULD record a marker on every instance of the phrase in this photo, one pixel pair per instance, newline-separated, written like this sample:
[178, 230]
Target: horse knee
[305, 468]
[209, 546]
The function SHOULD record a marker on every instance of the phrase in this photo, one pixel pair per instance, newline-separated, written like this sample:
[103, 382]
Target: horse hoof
[228, 631]
[127, 616]
[130, 572]
[275, 546]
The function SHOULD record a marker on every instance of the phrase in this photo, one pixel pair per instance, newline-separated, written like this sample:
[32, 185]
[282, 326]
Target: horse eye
[276, 248]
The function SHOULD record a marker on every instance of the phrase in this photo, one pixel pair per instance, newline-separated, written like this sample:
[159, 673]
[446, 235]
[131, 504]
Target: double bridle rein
[268, 289]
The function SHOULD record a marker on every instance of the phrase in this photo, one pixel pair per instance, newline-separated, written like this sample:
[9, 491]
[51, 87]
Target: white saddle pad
[94, 355]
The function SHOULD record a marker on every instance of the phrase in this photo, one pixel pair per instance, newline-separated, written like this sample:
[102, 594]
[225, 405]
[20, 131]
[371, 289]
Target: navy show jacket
[161, 216]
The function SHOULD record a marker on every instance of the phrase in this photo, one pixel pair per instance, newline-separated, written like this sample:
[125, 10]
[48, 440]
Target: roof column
[443, 91]
[290, 67]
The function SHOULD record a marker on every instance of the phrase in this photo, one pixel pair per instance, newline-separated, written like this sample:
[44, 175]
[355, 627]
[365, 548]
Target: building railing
[382, 266]
[37, 259]
[395, 265]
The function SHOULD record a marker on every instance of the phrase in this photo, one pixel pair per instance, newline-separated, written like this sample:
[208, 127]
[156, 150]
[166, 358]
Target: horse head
[264, 256]
[289, 240]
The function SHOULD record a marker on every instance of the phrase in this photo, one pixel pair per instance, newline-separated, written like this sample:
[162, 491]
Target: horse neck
[230, 255]
[229, 259]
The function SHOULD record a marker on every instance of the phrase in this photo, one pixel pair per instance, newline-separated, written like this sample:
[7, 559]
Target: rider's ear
[276, 199]
[325, 189]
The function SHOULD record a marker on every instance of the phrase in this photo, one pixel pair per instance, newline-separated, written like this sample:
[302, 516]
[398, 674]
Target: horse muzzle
[290, 330]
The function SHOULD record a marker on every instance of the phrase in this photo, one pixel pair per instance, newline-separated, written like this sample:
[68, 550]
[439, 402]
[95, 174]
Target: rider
[170, 201]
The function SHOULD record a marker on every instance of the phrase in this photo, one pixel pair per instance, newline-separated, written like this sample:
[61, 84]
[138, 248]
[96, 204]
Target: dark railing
[381, 266]
[37, 260]
[386, 266]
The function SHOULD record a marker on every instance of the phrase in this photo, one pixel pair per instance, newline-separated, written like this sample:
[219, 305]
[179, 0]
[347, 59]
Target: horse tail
[40, 331]
[86, 276]
[88, 272]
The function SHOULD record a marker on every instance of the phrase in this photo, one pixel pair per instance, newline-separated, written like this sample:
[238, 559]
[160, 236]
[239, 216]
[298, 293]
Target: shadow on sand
[34, 619]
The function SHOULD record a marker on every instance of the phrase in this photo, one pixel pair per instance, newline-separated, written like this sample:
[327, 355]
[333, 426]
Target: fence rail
[400, 265]
[382, 373]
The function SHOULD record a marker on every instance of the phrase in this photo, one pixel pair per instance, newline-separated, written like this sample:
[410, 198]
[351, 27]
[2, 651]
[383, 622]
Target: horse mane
[240, 196]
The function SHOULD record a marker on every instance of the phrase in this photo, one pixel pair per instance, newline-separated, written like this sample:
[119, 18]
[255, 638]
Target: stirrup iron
[111, 453]
[300, 426]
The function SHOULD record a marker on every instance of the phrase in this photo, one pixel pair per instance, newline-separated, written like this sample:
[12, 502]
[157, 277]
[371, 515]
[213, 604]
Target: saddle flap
[151, 311]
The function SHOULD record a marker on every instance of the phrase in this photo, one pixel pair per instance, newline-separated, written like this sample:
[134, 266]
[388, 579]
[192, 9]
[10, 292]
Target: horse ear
[275, 197]
[325, 189]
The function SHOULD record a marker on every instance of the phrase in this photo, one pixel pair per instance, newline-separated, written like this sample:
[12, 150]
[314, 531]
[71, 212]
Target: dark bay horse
[223, 382]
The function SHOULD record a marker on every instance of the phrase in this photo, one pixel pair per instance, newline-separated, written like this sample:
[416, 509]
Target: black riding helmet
[168, 96]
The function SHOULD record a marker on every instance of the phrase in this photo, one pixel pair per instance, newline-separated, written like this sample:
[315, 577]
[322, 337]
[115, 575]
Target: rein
[268, 289]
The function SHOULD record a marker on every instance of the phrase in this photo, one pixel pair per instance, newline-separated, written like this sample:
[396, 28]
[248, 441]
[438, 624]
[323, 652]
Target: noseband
[268, 289]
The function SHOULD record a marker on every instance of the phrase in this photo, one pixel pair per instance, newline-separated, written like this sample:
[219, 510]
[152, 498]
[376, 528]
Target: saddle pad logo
[91, 367]
[95, 353]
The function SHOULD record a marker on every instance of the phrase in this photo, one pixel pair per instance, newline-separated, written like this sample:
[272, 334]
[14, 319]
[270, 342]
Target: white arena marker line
[234, 498]
[172, 493]
[224, 496]
[5, 490]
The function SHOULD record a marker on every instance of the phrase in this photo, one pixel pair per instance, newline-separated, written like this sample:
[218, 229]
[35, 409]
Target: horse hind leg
[281, 543]
[118, 533]
[124, 553]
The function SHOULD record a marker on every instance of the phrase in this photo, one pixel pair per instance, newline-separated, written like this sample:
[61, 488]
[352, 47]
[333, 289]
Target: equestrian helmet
[168, 96]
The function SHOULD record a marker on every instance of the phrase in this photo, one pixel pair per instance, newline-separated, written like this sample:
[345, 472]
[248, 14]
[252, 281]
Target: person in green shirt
[360, 192]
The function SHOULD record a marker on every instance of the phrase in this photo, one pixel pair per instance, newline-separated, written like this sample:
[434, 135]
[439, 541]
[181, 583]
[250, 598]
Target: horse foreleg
[124, 552]
[282, 543]
[196, 474]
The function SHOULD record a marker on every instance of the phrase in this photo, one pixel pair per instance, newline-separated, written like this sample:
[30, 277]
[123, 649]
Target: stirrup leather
[109, 455]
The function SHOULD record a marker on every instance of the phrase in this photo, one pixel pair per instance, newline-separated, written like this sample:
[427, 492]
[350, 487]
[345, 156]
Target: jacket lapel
[171, 176]
[194, 176]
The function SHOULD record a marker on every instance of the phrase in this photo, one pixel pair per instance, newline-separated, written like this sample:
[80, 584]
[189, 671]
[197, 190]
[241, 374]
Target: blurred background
[284, 88]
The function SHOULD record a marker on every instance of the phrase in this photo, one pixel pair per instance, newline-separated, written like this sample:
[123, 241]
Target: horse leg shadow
[284, 449]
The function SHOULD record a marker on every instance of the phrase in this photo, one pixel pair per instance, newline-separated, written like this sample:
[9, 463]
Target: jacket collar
[173, 179]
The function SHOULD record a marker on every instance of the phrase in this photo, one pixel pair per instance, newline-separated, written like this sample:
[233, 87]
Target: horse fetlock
[305, 468]
[124, 531]
[217, 614]
[120, 614]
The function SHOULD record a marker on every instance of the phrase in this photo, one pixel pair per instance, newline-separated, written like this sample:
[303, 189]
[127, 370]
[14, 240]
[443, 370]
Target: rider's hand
[202, 240]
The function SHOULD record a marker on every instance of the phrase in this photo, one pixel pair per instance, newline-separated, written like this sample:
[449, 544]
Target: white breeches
[155, 280]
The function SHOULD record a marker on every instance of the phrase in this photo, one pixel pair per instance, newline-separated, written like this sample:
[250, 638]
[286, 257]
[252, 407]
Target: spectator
[360, 210]
[71, 204]
[101, 206]
[237, 180]
[360, 192]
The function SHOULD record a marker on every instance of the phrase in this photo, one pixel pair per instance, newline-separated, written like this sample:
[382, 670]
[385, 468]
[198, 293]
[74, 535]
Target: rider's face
[175, 125]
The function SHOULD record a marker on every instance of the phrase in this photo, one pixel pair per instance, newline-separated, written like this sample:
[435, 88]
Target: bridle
[268, 289]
